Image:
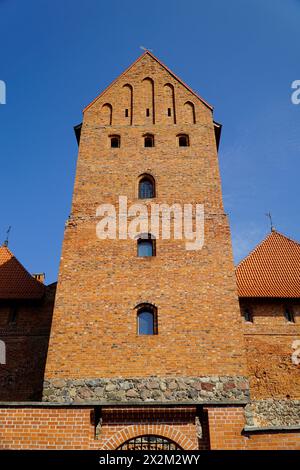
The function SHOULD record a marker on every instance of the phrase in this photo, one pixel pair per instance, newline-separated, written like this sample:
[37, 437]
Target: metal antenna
[7, 236]
[269, 215]
[146, 49]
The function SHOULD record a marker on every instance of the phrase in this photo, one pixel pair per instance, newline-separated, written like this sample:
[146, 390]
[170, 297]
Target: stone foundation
[151, 389]
[272, 412]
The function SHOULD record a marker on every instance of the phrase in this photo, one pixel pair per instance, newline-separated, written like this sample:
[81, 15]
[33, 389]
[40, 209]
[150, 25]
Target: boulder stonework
[273, 413]
[152, 389]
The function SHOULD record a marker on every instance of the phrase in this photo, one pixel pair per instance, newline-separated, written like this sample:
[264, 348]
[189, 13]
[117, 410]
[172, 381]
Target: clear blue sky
[239, 55]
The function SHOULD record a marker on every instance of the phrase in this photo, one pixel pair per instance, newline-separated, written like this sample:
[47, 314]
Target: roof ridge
[255, 248]
[271, 269]
[273, 232]
[159, 62]
[19, 269]
[286, 237]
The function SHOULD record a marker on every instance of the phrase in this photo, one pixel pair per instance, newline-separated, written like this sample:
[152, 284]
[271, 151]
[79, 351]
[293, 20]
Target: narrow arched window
[146, 245]
[149, 140]
[289, 315]
[183, 140]
[146, 187]
[115, 141]
[147, 320]
[13, 315]
[248, 315]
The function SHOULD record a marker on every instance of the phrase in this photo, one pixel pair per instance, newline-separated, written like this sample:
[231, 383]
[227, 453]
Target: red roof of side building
[272, 269]
[15, 281]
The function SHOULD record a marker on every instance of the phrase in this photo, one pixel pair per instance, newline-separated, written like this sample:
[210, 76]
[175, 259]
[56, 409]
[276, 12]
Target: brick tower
[150, 138]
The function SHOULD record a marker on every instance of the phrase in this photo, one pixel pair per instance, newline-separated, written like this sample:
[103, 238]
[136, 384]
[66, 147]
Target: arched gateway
[149, 442]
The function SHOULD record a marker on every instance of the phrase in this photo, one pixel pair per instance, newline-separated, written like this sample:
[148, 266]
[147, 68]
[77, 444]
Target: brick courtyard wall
[75, 428]
[35, 427]
[26, 341]
[226, 431]
[269, 343]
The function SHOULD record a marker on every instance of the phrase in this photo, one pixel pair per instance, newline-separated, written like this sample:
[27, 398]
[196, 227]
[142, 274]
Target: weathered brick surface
[199, 353]
[269, 340]
[21, 378]
[74, 428]
[101, 282]
[226, 426]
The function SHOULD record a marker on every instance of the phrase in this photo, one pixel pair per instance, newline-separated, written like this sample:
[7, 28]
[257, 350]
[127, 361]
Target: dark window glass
[13, 315]
[146, 188]
[147, 112]
[145, 322]
[149, 141]
[248, 315]
[289, 315]
[145, 247]
[126, 112]
[115, 141]
[183, 141]
[169, 112]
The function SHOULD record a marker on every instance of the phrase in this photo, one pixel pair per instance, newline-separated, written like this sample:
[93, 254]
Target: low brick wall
[227, 431]
[55, 427]
[44, 426]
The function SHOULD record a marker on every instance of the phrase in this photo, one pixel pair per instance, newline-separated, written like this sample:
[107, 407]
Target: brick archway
[164, 430]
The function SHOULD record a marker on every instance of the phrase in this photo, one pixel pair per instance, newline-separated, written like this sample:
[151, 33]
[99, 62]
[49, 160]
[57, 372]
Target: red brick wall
[21, 378]
[73, 428]
[121, 424]
[101, 282]
[226, 432]
[268, 342]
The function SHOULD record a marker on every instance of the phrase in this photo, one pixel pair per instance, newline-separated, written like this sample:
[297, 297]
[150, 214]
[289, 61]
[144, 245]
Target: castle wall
[94, 334]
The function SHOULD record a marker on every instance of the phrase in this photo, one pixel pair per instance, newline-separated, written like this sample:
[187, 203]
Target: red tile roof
[272, 269]
[15, 281]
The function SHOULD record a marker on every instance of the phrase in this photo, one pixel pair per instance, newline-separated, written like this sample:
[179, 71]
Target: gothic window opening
[183, 140]
[149, 442]
[289, 315]
[146, 187]
[146, 246]
[115, 141]
[248, 315]
[13, 315]
[149, 140]
[146, 320]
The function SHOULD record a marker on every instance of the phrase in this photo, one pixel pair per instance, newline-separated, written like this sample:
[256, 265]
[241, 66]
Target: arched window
[146, 187]
[115, 141]
[183, 140]
[146, 245]
[149, 442]
[248, 314]
[148, 140]
[189, 115]
[106, 114]
[289, 315]
[146, 320]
